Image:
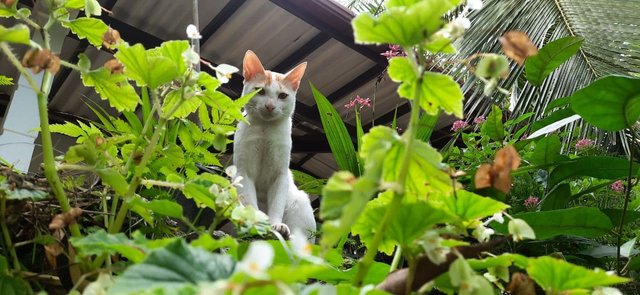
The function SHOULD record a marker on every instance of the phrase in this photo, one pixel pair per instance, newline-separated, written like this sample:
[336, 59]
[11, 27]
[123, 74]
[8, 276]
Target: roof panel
[267, 29]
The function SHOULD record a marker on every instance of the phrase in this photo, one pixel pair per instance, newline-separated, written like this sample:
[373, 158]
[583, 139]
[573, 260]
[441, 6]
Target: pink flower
[394, 50]
[618, 186]
[584, 144]
[531, 202]
[458, 125]
[479, 120]
[361, 102]
[524, 136]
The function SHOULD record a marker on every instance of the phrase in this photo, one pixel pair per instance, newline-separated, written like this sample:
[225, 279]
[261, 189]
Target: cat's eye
[261, 92]
[282, 95]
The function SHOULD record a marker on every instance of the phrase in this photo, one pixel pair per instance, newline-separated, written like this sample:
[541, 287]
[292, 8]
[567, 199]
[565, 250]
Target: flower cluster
[394, 50]
[618, 186]
[479, 120]
[432, 244]
[361, 102]
[584, 143]
[531, 202]
[458, 125]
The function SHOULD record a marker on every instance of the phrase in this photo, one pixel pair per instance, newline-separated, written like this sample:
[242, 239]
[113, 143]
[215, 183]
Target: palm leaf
[4, 80]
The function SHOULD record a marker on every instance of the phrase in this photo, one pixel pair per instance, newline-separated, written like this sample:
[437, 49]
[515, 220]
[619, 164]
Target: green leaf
[114, 179]
[550, 57]
[173, 268]
[611, 103]
[74, 4]
[112, 87]
[17, 34]
[586, 222]
[336, 194]
[92, 7]
[493, 127]
[469, 206]
[146, 68]
[5, 81]
[426, 125]
[556, 276]
[88, 28]
[12, 193]
[598, 167]
[436, 91]
[410, 222]
[406, 26]
[186, 107]
[547, 150]
[173, 50]
[100, 242]
[163, 207]
[558, 198]
[14, 285]
[337, 134]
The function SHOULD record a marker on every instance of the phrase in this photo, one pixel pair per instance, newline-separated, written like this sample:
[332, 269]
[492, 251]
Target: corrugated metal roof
[282, 33]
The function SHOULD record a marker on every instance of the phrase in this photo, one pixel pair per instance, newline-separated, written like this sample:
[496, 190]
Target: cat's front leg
[276, 201]
[247, 192]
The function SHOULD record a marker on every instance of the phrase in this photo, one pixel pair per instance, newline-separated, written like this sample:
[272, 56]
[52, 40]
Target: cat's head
[277, 96]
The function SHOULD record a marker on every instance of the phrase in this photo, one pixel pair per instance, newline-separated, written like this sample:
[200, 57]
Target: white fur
[262, 151]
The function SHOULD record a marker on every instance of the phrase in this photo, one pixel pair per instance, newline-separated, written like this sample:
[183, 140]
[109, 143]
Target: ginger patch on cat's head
[252, 70]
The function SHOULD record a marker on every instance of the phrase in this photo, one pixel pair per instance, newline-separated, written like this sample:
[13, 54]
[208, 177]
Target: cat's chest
[261, 151]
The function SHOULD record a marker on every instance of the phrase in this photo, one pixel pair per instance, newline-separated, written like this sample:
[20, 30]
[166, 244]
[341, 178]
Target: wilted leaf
[518, 46]
[498, 174]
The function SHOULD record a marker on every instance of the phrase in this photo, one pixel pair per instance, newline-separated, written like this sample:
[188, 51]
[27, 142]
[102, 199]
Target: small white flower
[496, 217]
[224, 72]
[462, 23]
[231, 171]
[482, 234]
[432, 244]
[520, 230]
[217, 287]
[191, 57]
[302, 248]
[474, 4]
[606, 291]
[257, 260]
[192, 32]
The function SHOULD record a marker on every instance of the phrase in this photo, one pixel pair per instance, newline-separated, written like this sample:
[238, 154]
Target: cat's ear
[294, 76]
[251, 66]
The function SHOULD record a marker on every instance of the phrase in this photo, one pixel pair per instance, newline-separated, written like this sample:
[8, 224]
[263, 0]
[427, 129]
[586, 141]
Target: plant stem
[397, 256]
[396, 201]
[160, 183]
[413, 265]
[42, 94]
[626, 202]
[5, 233]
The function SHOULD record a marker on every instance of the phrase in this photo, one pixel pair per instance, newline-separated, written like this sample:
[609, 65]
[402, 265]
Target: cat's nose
[270, 107]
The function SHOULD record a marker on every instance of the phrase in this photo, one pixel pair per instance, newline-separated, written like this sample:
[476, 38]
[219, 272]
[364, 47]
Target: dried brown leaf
[521, 284]
[41, 59]
[111, 38]
[498, 174]
[115, 66]
[518, 46]
[64, 219]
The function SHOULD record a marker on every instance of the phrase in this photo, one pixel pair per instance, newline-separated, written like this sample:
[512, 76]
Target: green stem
[5, 233]
[42, 94]
[160, 183]
[413, 264]
[626, 202]
[397, 256]
[148, 152]
[396, 201]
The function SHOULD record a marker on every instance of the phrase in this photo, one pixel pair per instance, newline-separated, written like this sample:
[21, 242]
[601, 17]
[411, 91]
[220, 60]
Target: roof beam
[225, 13]
[302, 52]
[334, 19]
[356, 83]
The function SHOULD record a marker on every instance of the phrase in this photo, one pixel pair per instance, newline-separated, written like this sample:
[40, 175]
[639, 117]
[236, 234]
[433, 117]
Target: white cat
[262, 148]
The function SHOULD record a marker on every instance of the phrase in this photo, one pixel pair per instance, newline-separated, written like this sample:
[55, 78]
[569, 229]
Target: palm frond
[610, 32]
[373, 7]
[4, 80]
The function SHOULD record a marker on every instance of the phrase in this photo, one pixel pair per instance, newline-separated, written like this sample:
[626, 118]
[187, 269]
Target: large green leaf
[611, 103]
[101, 242]
[598, 167]
[186, 107]
[173, 268]
[547, 150]
[163, 207]
[336, 194]
[89, 28]
[147, 67]
[114, 179]
[555, 276]
[550, 57]
[173, 50]
[14, 285]
[558, 198]
[112, 87]
[493, 125]
[586, 222]
[436, 91]
[337, 134]
[469, 206]
[17, 34]
[403, 25]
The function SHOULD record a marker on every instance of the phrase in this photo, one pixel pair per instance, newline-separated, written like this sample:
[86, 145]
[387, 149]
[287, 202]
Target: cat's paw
[282, 228]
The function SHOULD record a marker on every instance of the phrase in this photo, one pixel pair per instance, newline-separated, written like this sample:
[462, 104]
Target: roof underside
[283, 33]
